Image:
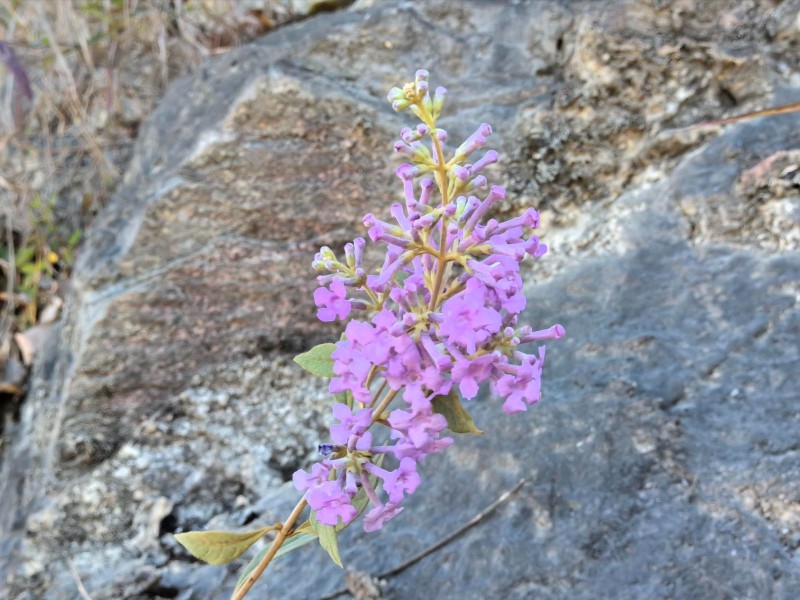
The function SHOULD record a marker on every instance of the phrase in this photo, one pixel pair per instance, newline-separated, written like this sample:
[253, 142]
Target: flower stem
[376, 414]
[378, 393]
[273, 549]
[441, 263]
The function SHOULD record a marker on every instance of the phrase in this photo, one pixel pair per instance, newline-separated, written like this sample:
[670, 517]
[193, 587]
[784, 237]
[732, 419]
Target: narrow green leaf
[24, 255]
[317, 360]
[327, 539]
[458, 419]
[74, 238]
[219, 547]
[293, 542]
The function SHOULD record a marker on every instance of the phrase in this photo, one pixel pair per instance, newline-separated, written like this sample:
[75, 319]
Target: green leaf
[30, 268]
[220, 547]
[317, 360]
[296, 541]
[345, 397]
[24, 255]
[74, 238]
[293, 542]
[327, 539]
[458, 419]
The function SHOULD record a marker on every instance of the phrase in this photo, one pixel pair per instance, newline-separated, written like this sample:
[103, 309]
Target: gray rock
[663, 461]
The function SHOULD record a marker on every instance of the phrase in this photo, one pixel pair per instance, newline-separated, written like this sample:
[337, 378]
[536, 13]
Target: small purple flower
[332, 304]
[404, 448]
[470, 373]
[420, 425]
[522, 387]
[377, 517]
[435, 380]
[351, 368]
[405, 368]
[331, 503]
[303, 480]
[349, 424]
[403, 480]
[467, 321]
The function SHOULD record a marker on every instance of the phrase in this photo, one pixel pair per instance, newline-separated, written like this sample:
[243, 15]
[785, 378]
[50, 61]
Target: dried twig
[782, 109]
[441, 543]
[77, 577]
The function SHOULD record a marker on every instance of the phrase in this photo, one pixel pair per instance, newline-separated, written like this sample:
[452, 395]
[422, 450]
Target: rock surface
[664, 461]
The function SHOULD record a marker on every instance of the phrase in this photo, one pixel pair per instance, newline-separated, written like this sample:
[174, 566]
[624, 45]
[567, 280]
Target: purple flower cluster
[440, 313]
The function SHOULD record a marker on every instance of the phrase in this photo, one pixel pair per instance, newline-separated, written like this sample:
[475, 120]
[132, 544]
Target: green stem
[441, 171]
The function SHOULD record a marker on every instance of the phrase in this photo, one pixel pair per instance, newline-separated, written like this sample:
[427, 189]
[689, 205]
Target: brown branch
[273, 549]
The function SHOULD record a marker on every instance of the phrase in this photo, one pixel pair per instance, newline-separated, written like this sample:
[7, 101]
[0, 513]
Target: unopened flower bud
[406, 171]
[438, 101]
[410, 319]
[426, 186]
[488, 159]
[461, 172]
[327, 450]
[477, 182]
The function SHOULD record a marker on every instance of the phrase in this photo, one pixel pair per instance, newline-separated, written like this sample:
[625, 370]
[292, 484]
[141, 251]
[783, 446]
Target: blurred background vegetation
[78, 78]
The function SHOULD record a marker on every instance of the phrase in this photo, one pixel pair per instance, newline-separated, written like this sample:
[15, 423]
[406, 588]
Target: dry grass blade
[7, 318]
[78, 583]
[442, 542]
[783, 109]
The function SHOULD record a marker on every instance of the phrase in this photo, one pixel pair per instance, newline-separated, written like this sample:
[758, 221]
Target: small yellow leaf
[220, 547]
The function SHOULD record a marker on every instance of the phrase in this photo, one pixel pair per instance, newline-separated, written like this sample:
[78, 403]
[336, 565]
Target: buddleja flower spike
[437, 319]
